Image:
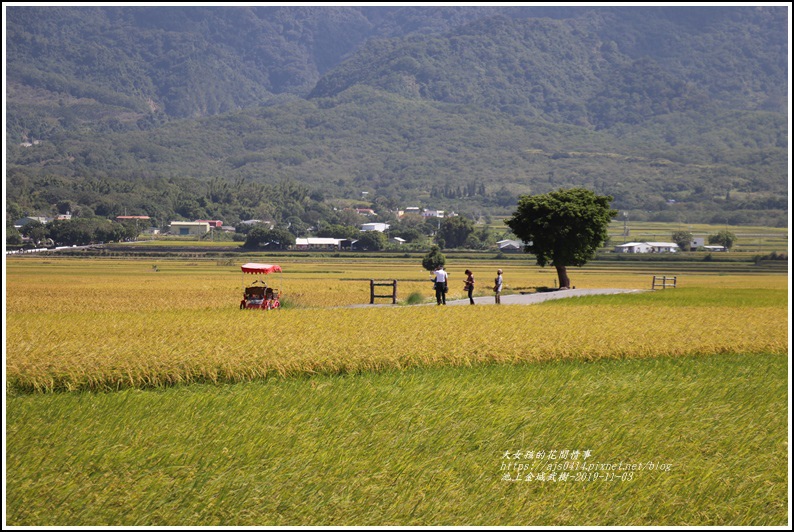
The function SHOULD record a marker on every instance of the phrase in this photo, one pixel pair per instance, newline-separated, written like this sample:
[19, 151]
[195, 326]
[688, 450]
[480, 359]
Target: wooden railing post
[372, 295]
[663, 282]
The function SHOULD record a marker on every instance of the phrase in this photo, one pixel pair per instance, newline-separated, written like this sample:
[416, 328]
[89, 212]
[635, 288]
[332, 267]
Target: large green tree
[433, 259]
[683, 239]
[562, 228]
[371, 241]
[454, 231]
[277, 238]
[723, 238]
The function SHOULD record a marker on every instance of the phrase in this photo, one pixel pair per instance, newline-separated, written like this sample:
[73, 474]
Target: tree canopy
[433, 259]
[562, 228]
[454, 231]
[683, 239]
[723, 238]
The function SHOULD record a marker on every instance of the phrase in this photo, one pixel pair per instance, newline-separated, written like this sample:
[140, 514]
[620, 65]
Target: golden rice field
[108, 324]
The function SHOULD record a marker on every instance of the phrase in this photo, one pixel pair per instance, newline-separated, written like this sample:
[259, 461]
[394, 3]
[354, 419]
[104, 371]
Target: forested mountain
[680, 113]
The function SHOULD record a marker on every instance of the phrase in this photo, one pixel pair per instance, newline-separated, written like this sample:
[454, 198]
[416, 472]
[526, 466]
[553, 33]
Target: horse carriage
[258, 295]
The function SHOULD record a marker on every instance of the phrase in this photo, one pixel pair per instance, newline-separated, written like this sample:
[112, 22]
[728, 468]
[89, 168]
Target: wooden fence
[662, 281]
[373, 295]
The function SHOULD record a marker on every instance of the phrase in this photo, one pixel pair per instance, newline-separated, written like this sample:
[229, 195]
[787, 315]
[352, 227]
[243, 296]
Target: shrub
[414, 299]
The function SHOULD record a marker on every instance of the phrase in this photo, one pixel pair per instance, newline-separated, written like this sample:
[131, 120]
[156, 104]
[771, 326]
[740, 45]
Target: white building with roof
[375, 226]
[28, 219]
[189, 228]
[509, 245]
[663, 247]
[322, 243]
[432, 213]
[647, 247]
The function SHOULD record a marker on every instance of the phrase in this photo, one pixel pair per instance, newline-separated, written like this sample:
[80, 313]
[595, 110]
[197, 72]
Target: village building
[375, 226]
[22, 222]
[409, 210]
[432, 213]
[509, 245]
[215, 224]
[647, 247]
[258, 222]
[189, 228]
[132, 218]
[318, 243]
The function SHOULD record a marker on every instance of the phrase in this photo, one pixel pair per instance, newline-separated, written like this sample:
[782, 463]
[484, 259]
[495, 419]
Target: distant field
[177, 408]
[749, 239]
[166, 242]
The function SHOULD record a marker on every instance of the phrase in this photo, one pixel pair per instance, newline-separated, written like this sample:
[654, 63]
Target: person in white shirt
[441, 286]
[497, 289]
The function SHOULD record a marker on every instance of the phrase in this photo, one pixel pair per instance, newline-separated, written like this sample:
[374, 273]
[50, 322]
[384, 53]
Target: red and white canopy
[253, 267]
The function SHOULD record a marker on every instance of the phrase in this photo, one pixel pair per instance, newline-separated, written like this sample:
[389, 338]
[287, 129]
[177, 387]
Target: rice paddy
[181, 409]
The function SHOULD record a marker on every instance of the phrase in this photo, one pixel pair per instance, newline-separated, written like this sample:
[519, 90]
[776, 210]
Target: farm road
[539, 297]
[528, 299]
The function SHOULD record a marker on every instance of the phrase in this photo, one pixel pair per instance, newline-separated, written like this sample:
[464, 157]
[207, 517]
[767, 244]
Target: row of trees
[317, 219]
[562, 228]
[280, 239]
[78, 231]
[448, 233]
[723, 238]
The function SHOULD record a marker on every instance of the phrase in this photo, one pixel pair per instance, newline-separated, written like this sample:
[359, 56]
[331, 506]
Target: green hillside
[678, 113]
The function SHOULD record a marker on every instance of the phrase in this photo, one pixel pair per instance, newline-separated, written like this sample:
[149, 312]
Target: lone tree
[454, 231]
[273, 238]
[723, 238]
[562, 228]
[683, 239]
[433, 259]
[371, 241]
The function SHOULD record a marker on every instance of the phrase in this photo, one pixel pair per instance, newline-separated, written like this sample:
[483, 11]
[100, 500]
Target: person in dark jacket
[469, 286]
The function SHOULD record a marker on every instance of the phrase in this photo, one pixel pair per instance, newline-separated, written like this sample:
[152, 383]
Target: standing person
[469, 286]
[441, 286]
[497, 287]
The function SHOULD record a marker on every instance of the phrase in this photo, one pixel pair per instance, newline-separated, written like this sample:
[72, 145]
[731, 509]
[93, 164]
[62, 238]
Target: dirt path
[539, 297]
[528, 299]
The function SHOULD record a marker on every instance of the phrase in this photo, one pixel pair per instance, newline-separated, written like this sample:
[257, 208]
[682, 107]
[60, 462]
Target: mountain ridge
[411, 104]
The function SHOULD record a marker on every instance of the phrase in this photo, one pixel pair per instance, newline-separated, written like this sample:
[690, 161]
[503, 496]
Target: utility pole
[625, 225]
